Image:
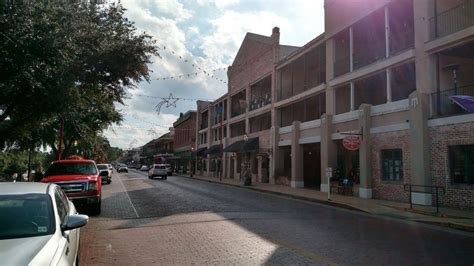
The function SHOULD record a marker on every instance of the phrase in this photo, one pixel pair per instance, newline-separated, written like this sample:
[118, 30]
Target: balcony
[203, 125]
[443, 106]
[260, 102]
[452, 20]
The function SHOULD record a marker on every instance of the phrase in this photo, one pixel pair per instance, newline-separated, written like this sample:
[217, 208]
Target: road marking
[128, 196]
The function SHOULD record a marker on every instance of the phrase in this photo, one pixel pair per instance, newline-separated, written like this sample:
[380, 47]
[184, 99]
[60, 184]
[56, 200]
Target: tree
[62, 59]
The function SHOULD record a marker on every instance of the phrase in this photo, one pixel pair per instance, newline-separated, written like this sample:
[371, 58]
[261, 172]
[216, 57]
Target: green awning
[199, 152]
[216, 149]
[243, 146]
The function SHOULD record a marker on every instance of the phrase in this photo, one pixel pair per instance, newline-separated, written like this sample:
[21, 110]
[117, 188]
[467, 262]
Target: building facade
[184, 139]
[159, 150]
[380, 77]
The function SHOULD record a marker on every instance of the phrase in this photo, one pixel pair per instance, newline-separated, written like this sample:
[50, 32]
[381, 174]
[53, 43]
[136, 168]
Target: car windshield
[25, 215]
[160, 167]
[72, 168]
[102, 167]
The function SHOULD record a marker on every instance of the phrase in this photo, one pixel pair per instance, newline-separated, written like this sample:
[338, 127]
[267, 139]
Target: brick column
[276, 164]
[297, 178]
[365, 163]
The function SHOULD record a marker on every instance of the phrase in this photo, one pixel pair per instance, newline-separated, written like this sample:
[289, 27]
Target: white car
[111, 168]
[122, 168]
[158, 170]
[105, 168]
[39, 225]
[144, 168]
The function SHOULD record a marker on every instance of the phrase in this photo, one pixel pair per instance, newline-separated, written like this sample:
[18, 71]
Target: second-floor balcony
[458, 17]
[204, 124]
[442, 105]
[259, 102]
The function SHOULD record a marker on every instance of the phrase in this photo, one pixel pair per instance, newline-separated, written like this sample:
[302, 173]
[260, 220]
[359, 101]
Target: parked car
[158, 170]
[39, 225]
[144, 168]
[111, 168]
[105, 168]
[80, 179]
[122, 168]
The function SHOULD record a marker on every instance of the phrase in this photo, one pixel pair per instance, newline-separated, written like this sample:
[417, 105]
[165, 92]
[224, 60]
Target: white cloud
[218, 3]
[207, 33]
[230, 29]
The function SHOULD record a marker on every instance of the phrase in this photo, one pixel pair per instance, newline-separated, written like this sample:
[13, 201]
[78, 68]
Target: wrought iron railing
[433, 190]
[442, 105]
[452, 20]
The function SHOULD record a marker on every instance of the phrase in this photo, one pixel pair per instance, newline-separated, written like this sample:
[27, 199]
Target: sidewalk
[458, 219]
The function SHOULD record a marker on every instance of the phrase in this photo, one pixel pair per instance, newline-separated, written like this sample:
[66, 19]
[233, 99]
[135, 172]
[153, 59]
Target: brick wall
[457, 196]
[254, 61]
[185, 133]
[390, 190]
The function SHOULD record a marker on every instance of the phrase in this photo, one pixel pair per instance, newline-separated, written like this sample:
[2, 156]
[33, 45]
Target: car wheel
[165, 177]
[96, 208]
[150, 177]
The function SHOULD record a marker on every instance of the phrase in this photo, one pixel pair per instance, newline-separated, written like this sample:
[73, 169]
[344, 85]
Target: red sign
[351, 143]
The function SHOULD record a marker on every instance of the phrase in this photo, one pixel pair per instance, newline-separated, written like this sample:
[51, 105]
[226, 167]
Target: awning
[466, 102]
[243, 146]
[216, 149]
[199, 152]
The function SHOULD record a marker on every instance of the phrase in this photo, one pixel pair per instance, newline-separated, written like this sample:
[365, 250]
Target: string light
[194, 65]
[178, 98]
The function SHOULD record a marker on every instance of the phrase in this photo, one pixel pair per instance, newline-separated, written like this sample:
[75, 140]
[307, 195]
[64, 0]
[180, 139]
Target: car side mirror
[75, 221]
[104, 173]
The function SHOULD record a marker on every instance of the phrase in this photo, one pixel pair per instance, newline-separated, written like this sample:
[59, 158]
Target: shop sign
[351, 142]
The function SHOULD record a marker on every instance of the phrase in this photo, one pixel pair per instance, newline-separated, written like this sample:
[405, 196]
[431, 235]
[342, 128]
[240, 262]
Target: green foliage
[16, 161]
[66, 59]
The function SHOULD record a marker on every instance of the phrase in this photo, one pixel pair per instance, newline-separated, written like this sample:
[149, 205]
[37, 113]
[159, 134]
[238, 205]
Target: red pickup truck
[79, 178]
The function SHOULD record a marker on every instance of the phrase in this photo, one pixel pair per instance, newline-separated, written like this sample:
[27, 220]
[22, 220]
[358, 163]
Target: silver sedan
[39, 225]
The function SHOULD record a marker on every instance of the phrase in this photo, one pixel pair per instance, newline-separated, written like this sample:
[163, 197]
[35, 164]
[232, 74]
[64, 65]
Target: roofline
[301, 50]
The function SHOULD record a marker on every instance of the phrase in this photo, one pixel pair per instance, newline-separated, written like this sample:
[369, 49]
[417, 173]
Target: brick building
[381, 74]
[184, 138]
[159, 150]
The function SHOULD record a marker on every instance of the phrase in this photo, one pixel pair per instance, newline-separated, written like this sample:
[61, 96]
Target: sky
[194, 36]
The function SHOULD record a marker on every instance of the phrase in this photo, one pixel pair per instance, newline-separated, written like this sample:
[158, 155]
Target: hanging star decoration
[170, 101]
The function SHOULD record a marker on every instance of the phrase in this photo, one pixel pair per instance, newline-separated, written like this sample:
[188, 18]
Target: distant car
[158, 170]
[111, 168]
[39, 225]
[122, 169]
[144, 168]
[105, 168]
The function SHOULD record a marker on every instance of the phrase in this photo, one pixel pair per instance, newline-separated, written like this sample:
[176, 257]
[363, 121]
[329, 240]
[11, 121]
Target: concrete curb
[447, 224]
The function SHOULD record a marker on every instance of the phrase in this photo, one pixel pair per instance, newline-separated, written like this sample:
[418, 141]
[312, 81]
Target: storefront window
[392, 165]
[461, 164]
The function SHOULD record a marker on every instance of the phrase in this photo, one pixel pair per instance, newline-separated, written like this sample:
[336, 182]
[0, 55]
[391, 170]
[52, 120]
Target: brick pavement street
[184, 221]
